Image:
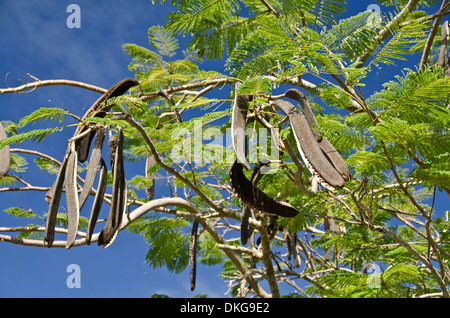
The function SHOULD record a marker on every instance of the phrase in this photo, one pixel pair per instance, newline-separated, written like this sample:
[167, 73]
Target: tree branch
[39, 83]
[430, 38]
[170, 90]
[270, 8]
[387, 30]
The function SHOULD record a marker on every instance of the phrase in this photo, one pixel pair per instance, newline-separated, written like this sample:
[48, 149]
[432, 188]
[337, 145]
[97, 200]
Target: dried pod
[238, 124]
[316, 161]
[73, 207]
[54, 195]
[246, 231]
[327, 148]
[118, 202]
[442, 60]
[93, 165]
[98, 200]
[254, 197]
[193, 254]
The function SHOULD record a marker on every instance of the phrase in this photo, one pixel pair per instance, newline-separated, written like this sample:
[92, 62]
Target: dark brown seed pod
[118, 202]
[93, 165]
[246, 231]
[254, 197]
[193, 254]
[98, 200]
[54, 195]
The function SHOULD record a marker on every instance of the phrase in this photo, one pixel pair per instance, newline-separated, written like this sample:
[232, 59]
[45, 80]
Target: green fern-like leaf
[351, 36]
[37, 135]
[21, 213]
[33, 235]
[168, 244]
[163, 42]
[44, 114]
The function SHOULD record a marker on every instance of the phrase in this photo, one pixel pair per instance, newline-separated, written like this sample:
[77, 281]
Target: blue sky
[34, 39]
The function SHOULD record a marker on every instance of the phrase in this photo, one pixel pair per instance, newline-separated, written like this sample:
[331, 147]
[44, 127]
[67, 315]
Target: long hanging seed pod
[109, 232]
[288, 243]
[4, 154]
[442, 60]
[73, 207]
[295, 255]
[193, 254]
[93, 165]
[98, 200]
[55, 197]
[246, 231]
[82, 145]
[238, 124]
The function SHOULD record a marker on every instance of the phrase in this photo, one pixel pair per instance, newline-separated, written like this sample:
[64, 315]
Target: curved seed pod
[255, 198]
[316, 161]
[272, 227]
[73, 207]
[288, 242]
[238, 123]
[118, 201]
[4, 154]
[93, 165]
[246, 231]
[295, 255]
[442, 60]
[54, 199]
[150, 162]
[118, 89]
[112, 143]
[193, 254]
[259, 170]
[330, 152]
[98, 200]
[298, 96]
